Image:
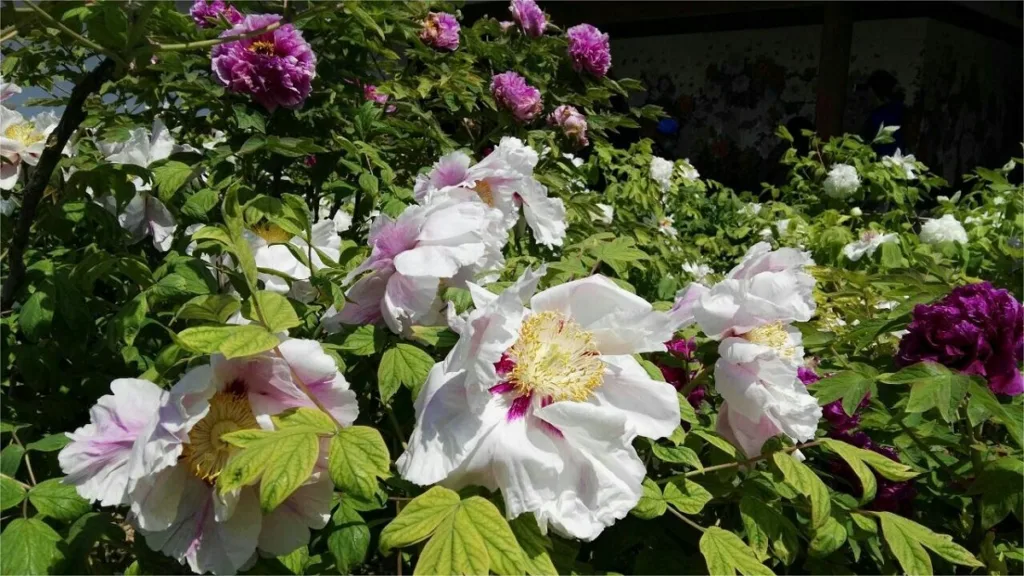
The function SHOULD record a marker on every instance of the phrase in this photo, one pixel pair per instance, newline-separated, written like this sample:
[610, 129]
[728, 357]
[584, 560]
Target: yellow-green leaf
[856, 463]
[358, 456]
[419, 518]
[725, 553]
[274, 310]
[455, 548]
[908, 539]
[29, 547]
[536, 546]
[687, 496]
[652, 502]
[282, 460]
[404, 364]
[806, 482]
[502, 548]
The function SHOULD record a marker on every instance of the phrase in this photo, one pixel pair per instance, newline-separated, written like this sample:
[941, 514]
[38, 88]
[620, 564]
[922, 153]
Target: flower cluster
[905, 166]
[571, 122]
[160, 453]
[589, 50]
[842, 181]
[757, 373]
[512, 93]
[276, 68]
[440, 31]
[976, 329]
[870, 241]
[206, 14]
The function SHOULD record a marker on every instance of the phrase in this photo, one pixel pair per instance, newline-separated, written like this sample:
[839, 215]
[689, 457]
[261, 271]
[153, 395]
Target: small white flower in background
[1008, 167]
[945, 229]
[575, 160]
[268, 245]
[7, 205]
[22, 140]
[782, 225]
[661, 172]
[887, 305]
[142, 148]
[555, 437]
[842, 181]
[999, 200]
[688, 172]
[342, 219]
[664, 225]
[607, 213]
[750, 209]
[905, 164]
[766, 234]
[218, 138]
[145, 215]
[869, 242]
[159, 453]
[698, 271]
[8, 89]
[856, 212]
[942, 198]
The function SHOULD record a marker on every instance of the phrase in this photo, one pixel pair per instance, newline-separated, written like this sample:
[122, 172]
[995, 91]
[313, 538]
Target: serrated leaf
[455, 548]
[170, 176]
[502, 549]
[11, 492]
[275, 310]
[358, 456]
[907, 541]
[725, 553]
[536, 547]
[806, 482]
[349, 539]
[765, 526]
[404, 364]
[652, 502]
[418, 519]
[29, 547]
[57, 500]
[849, 453]
[686, 495]
[364, 341]
[676, 455]
[281, 460]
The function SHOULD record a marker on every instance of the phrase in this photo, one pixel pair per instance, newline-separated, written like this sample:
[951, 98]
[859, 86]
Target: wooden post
[833, 68]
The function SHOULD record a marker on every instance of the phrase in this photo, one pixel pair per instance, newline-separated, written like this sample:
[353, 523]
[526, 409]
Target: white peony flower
[699, 272]
[543, 403]
[342, 219]
[21, 140]
[869, 242]
[661, 172]
[270, 250]
[158, 452]
[607, 213]
[145, 215]
[503, 180]
[945, 229]
[842, 181]
[7, 205]
[856, 211]
[664, 225]
[8, 89]
[451, 240]
[688, 172]
[905, 165]
[750, 209]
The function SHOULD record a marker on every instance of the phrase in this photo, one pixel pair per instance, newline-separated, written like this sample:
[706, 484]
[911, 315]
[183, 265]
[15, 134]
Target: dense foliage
[267, 308]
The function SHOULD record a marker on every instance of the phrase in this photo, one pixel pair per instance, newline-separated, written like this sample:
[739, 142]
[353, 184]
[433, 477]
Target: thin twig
[81, 39]
[216, 41]
[28, 463]
[687, 520]
[396, 426]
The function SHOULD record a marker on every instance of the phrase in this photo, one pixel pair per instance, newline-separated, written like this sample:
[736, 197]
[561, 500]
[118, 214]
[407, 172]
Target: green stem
[394, 424]
[971, 441]
[728, 465]
[687, 520]
[81, 39]
[216, 41]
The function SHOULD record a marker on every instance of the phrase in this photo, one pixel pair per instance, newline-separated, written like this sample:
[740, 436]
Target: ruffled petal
[288, 526]
[651, 407]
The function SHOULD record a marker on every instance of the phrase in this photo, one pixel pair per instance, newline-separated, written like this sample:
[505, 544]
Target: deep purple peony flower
[976, 329]
[682, 347]
[572, 123]
[206, 14]
[529, 16]
[891, 496]
[513, 93]
[275, 68]
[589, 50]
[441, 31]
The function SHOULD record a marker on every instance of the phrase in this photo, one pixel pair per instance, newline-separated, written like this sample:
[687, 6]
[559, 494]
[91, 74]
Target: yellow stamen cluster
[263, 47]
[24, 132]
[206, 453]
[483, 189]
[555, 358]
[774, 336]
[272, 233]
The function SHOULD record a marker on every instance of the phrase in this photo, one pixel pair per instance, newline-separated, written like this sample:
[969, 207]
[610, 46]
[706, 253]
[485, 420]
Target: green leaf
[766, 526]
[805, 481]
[307, 417]
[49, 443]
[368, 182]
[403, 364]
[10, 459]
[11, 492]
[349, 540]
[170, 176]
[57, 500]
[1001, 489]
[210, 308]
[687, 496]
[933, 386]
[239, 245]
[364, 341]
[908, 539]
[686, 411]
[853, 459]
[536, 547]
[849, 385]
[726, 554]
[274, 309]
[231, 341]
[281, 460]
[36, 315]
[1013, 421]
[676, 455]
[419, 519]
[620, 254]
[247, 119]
[130, 319]
[827, 539]
[652, 502]
[30, 547]
[502, 548]
[455, 548]
[198, 205]
[358, 456]
[716, 441]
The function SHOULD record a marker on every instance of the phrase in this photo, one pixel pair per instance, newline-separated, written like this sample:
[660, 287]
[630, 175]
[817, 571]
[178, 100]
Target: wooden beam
[833, 68]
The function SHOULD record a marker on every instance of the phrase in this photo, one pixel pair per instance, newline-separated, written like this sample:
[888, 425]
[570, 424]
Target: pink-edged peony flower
[512, 93]
[446, 240]
[572, 123]
[440, 31]
[589, 50]
[529, 16]
[503, 180]
[21, 141]
[543, 403]
[160, 453]
[206, 14]
[270, 248]
[276, 68]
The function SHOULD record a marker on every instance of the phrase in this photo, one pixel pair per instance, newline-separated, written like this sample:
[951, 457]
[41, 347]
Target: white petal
[363, 304]
[651, 407]
[154, 500]
[9, 173]
[438, 261]
[686, 300]
[161, 223]
[750, 436]
[411, 300]
[162, 143]
[287, 527]
[544, 214]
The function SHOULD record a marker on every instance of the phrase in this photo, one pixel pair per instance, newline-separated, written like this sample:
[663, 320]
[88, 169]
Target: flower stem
[687, 520]
[28, 463]
[78, 37]
[728, 465]
[971, 441]
[216, 41]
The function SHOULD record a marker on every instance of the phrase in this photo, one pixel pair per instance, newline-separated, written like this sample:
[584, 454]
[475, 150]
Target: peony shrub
[362, 288]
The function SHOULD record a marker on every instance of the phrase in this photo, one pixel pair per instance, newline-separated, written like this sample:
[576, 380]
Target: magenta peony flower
[441, 31]
[976, 329]
[275, 68]
[206, 13]
[682, 347]
[529, 16]
[589, 50]
[572, 123]
[370, 93]
[512, 92]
